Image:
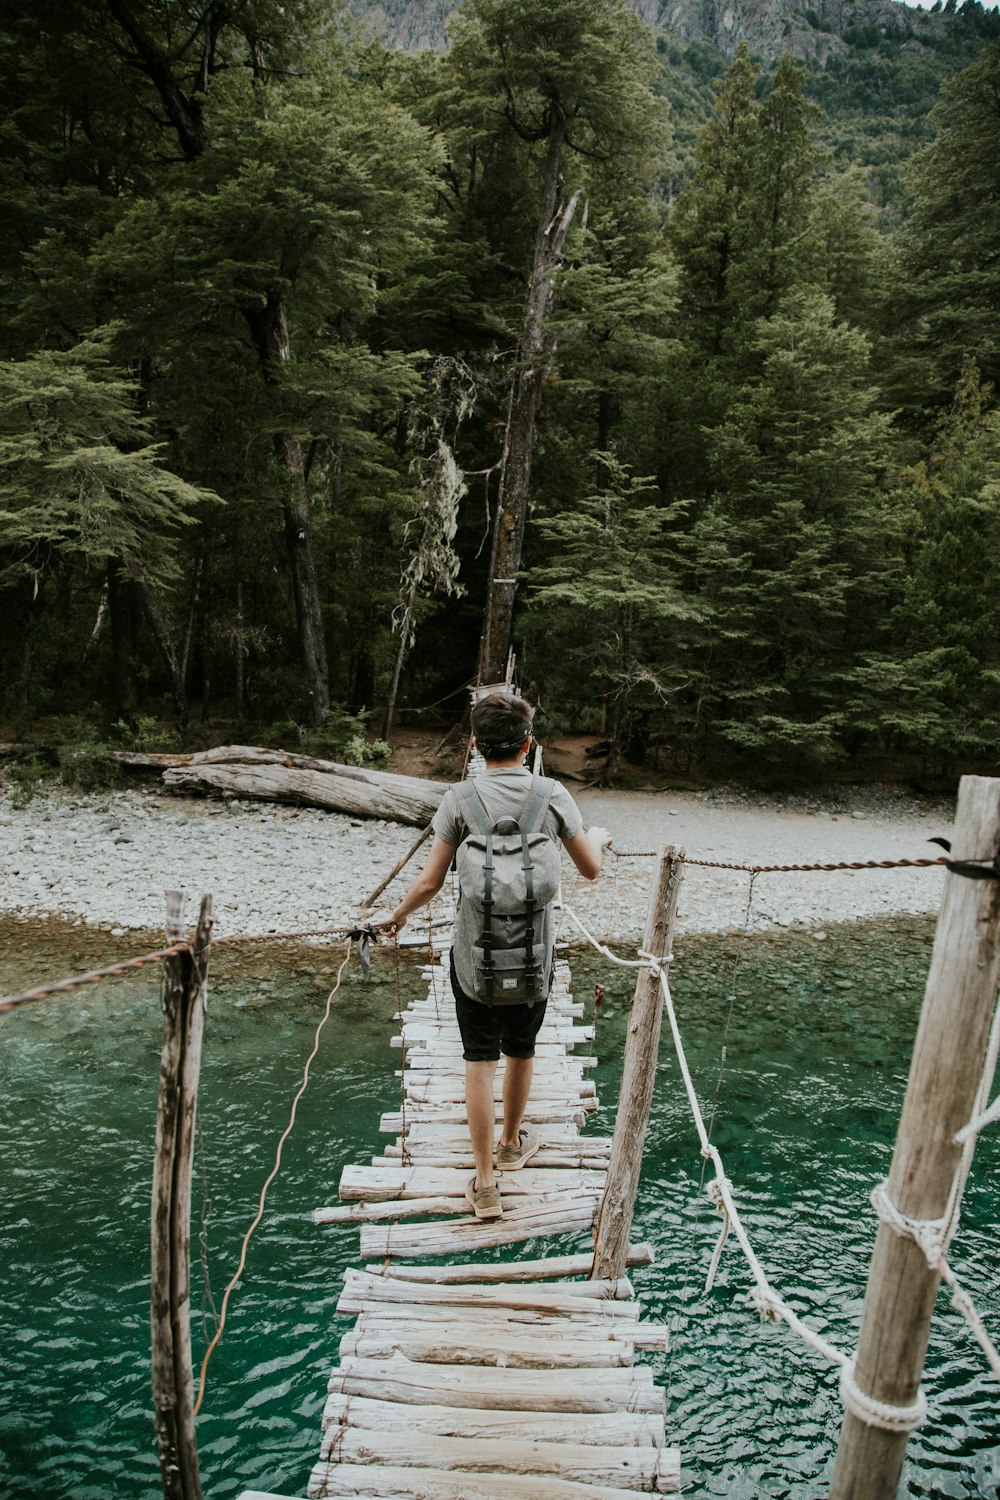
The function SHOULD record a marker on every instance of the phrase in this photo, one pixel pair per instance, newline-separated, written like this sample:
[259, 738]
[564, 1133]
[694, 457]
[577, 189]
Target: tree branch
[184, 114]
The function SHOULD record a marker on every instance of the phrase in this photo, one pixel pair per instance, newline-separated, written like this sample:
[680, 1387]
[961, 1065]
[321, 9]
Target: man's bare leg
[481, 1116]
[516, 1088]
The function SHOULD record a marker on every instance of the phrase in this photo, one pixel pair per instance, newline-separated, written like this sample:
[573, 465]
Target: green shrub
[26, 777]
[358, 751]
[87, 767]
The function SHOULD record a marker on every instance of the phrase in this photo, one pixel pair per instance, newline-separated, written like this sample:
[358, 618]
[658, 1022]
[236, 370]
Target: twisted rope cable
[769, 1303]
[964, 1304]
[932, 1235]
[63, 986]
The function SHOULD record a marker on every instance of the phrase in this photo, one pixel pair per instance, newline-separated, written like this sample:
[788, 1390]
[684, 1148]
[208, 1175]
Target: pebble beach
[104, 859]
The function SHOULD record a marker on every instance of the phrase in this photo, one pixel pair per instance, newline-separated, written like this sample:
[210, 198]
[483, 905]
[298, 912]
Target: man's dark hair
[501, 723]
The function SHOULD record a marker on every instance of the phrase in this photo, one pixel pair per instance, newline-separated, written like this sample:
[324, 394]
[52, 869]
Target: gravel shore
[106, 858]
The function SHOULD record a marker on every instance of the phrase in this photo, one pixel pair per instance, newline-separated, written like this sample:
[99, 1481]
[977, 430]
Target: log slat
[629, 1466]
[504, 1390]
[386, 1482]
[464, 1421]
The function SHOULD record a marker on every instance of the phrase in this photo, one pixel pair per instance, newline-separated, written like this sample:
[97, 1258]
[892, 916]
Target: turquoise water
[818, 1048]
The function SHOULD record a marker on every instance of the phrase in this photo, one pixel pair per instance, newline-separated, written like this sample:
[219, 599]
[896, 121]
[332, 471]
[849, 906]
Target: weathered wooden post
[642, 1045]
[948, 1058]
[184, 997]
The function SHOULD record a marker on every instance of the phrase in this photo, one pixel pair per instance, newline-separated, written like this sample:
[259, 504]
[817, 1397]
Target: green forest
[331, 374]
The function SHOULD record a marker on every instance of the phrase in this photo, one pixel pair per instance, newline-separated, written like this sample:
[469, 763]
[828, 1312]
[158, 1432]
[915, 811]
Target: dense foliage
[267, 290]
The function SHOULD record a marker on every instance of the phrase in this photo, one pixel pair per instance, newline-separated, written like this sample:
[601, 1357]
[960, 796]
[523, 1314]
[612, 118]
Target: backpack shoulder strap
[537, 803]
[471, 807]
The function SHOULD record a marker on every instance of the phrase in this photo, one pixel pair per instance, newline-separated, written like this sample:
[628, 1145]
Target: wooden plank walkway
[478, 1380]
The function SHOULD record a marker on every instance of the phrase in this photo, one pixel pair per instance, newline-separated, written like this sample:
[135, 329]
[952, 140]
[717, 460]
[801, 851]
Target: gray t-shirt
[503, 792]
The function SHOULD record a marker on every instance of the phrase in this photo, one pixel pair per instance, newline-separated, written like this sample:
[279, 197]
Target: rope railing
[220, 1328]
[769, 1303]
[126, 965]
[111, 971]
[844, 864]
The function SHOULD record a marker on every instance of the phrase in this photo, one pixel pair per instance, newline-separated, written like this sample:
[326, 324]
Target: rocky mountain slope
[770, 27]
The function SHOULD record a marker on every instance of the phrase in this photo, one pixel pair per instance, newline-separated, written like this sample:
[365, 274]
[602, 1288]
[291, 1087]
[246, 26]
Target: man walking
[501, 725]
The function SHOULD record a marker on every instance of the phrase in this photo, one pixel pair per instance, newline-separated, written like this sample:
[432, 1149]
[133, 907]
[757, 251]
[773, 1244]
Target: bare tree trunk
[192, 615]
[533, 357]
[161, 633]
[404, 632]
[121, 615]
[240, 658]
[268, 327]
[102, 609]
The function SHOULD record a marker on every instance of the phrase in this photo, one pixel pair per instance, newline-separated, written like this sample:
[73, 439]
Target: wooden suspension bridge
[482, 1380]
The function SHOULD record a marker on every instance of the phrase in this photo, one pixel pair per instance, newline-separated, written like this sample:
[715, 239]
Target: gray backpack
[509, 871]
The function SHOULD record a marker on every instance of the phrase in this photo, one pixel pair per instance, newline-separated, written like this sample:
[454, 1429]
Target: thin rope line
[62, 986]
[723, 1055]
[964, 1304]
[271, 1176]
[432, 959]
[769, 1303]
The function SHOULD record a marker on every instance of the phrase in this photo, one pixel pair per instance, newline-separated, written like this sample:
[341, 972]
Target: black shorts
[488, 1030]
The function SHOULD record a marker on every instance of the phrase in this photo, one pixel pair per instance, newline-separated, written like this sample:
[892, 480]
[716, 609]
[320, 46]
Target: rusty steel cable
[853, 864]
[64, 986]
[125, 965]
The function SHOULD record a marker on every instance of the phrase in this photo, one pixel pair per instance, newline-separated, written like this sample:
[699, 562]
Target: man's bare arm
[424, 888]
[586, 850]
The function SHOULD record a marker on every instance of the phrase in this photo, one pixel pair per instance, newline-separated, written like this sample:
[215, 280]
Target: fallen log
[146, 760]
[281, 776]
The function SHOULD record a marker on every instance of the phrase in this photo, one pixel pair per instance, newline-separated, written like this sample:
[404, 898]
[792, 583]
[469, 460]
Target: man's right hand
[384, 921]
[598, 838]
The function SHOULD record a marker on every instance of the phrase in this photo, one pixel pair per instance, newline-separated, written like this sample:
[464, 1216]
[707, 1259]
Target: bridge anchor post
[614, 1220]
[185, 977]
[949, 1056]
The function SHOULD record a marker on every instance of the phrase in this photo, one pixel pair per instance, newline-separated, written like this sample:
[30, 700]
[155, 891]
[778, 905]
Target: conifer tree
[949, 300]
[569, 81]
[800, 469]
[82, 485]
[935, 684]
[606, 601]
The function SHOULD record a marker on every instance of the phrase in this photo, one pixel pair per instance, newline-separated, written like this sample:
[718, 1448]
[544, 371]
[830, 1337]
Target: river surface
[818, 1036]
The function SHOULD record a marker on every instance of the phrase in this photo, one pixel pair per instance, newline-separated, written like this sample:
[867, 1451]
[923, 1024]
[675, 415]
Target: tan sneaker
[512, 1158]
[484, 1202]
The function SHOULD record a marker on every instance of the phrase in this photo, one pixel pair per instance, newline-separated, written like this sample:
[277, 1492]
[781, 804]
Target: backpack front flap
[524, 863]
[509, 871]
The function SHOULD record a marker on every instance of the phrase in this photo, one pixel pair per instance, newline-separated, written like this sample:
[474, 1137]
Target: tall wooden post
[948, 1059]
[184, 998]
[642, 1045]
